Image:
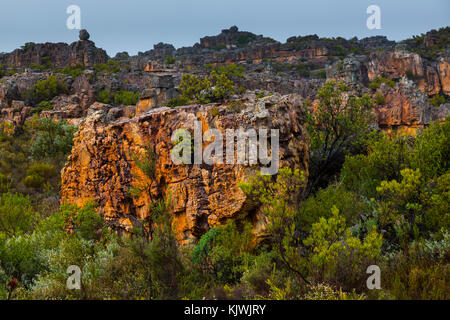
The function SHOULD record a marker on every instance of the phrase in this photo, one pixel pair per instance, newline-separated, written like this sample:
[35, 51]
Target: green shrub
[337, 127]
[21, 258]
[33, 181]
[39, 174]
[16, 214]
[170, 60]
[119, 97]
[27, 46]
[5, 183]
[43, 106]
[126, 98]
[379, 99]
[323, 291]
[337, 256]
[216, 87]
[111, 66]
[410, 209]
[45, 90]
[52, 140]
[322, 74]
[104, 96]
[429, 151]
[74, 72]
[255, 279]
[364, 172]
[319, 206]
[176, 102]
[224, 252]
[416, 273]
[437, 100]
[84, 221]
[376, 83]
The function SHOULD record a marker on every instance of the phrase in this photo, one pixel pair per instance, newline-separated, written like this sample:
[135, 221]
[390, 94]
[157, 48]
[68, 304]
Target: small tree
[153, 240]
[338, 124]
[216, 87]
[52, 139]
[280, 201]
[16, 214]
[45, 90]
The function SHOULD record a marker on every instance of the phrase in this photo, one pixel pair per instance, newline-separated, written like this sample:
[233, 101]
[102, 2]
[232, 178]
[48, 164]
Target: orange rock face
[101, 165]
[443, 67]
[399, 63]
[406, 107]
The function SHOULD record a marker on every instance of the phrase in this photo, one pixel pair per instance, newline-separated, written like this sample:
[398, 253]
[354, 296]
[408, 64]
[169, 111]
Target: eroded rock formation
[101, 168]
[407, 107]
[83, 53]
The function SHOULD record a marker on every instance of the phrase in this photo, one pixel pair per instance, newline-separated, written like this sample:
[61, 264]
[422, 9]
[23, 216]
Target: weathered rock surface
[405, 106]
[430, 78]
[400, 63]
[443, 68]
[83, 53]
[101, 168]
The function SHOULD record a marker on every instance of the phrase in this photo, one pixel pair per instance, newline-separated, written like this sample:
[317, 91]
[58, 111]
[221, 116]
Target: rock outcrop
[12, 88]
[101, 165]
[83, 53]
[443, 68]
[430, 78]
[399, 63]
[407, 107]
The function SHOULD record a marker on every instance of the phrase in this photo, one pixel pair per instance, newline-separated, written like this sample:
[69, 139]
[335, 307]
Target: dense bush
[218, 86]
[176, 102]
[16, 214]
[437, 100]
[74, 72]
[170, 60]
[433, 49]
[112, 66]
[376, 83]
[45, 90]
[223, 252]
[126, 98]
[379, 99]
[53, 139]
[120, 97]
[31, 156]
[38, 175]
[337, 127]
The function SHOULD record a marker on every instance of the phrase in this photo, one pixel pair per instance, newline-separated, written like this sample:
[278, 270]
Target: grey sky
[135, 25]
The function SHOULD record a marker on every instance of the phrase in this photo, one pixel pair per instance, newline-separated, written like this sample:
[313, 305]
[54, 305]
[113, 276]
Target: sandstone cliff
[101, 168]
[406, 107]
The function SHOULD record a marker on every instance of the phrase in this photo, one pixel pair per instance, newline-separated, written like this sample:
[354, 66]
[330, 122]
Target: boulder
[84, 35]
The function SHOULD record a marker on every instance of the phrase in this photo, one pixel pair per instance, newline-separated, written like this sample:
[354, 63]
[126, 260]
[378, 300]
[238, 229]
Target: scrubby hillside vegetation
[385, 203]
[364, 177]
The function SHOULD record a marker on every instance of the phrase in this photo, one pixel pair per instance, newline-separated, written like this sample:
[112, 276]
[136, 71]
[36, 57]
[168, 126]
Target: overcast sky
[135, 25]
